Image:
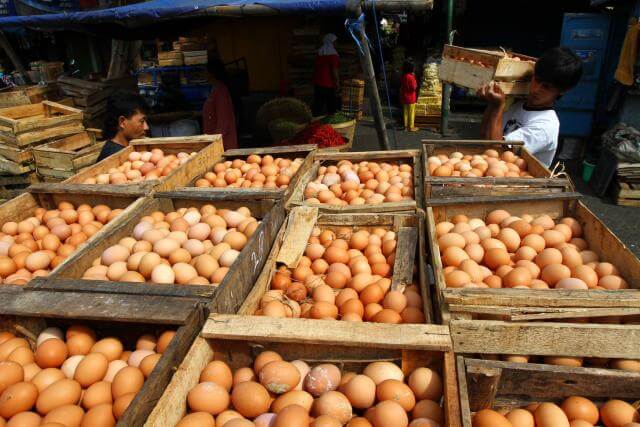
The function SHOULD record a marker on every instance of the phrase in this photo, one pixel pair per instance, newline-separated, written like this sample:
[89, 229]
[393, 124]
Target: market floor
[622, 220]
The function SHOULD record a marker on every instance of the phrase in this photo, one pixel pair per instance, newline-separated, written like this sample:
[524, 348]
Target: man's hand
[493, 94]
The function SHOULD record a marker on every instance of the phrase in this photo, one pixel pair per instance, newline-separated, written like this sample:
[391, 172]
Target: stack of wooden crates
[429, 103]
[21, 129]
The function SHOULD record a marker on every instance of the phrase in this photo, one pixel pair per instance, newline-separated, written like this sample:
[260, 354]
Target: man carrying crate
[533, 121]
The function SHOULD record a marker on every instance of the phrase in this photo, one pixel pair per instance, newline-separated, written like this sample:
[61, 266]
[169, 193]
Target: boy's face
[542, 94]
[134, 127]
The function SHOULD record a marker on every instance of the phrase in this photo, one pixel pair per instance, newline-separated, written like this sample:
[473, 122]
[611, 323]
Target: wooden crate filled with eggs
[198, 247]
[146, 165]
[533, 276]
[352, 268]
[263, 371]
[362, 182]
[272, 172]
[39, 233]
[89, 359]
[477, 168]
[507, 394]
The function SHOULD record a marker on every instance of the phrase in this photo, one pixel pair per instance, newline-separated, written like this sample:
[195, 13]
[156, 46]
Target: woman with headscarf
[326, 78]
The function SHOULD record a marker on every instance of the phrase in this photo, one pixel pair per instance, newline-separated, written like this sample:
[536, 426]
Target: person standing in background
[408, 93]
[218, 116]
[326, 78]
[126, 120]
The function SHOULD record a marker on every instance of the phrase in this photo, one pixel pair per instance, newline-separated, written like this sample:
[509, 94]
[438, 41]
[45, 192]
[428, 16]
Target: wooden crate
[237, 340]
[23, 95]
[28, 124]
[474, 68]
[627, 194]
[66, 157]
[24, 206]
[226, 297]
[27, 313]
[439, 187]
[411, 157]
[489, 384]
[542, 322]
[291, 152]
[209, 148]
[14, 185]
[292, 239]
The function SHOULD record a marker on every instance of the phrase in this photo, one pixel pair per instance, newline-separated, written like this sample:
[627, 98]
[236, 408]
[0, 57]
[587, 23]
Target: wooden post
[14, 58]
[370, 77]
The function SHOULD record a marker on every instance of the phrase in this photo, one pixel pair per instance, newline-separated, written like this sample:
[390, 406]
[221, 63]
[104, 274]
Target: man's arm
[491, 126]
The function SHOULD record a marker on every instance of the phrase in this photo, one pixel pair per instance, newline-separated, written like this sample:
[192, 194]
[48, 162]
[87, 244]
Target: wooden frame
[28, 313]
[23, 95]
[236, 339]
[209, 148]
[291, 242]
[486, 384]
[411, 157]
[24, 206]
[67, 156]
[461, 66]
[290, 152]
[231, 292]
[439, 187]
[27, 124]
[517, 320]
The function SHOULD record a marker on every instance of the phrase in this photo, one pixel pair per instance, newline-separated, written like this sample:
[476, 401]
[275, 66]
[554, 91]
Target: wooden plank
[482, 382]
[545, 338]
[461, 372]
[403, 266]
[452, 410]
[530, 382]
[307, 331]
[15, 154]
[300, 223]
[97, 306]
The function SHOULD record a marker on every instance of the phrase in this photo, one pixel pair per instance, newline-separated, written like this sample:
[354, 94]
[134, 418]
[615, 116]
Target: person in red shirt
[408, 94]
[326, 78]
[218, 116]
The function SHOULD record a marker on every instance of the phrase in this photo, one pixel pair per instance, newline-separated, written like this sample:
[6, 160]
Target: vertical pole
[370, 77]
[4, 42]
[446, 92]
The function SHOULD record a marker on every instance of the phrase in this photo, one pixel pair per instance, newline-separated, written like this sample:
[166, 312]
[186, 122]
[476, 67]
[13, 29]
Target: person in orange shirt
[218, 116]
[326, 79]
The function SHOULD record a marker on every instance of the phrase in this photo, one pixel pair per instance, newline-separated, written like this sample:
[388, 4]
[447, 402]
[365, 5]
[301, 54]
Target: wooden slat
[407, 238]
[95, 306]
[300, 223]
[327, 332]
[546, 338]
[530, 382]
[461, 372]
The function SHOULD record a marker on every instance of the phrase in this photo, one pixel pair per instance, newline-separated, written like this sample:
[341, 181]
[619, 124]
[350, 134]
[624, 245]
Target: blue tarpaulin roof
[157, 11]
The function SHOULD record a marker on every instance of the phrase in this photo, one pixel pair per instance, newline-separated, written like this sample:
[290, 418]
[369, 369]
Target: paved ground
[623, 221]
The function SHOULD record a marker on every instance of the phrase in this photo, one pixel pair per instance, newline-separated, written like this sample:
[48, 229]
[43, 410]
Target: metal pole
[370, 77]
[446, 92]
[4, 42]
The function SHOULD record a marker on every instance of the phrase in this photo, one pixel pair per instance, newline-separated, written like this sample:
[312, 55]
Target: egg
[17, 398]
[51, 353]
[62, 392]
[250, 399]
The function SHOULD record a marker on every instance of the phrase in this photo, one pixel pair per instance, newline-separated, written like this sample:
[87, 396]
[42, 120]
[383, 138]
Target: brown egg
[62, 392]
[292, 416]
[520, 418]
[110, 347]
[66, 415]
[91, 369]
[489, 418]
[127, 380]
[322, 378]
[612, 282]
[17, 398]
[519, 276]
[25, 419]
[197, 419]
[97, 394]
[334, 404]
[361, 391]
[208, 397]
[550, 415]
[426, 384]
[389, 414]
[250, 399]
[553, 273]
[121, 404]
[11, 373]
[579, 408]
[102, 415]
[429, 409]
[279, 376]
[51, 353]
[618, 413]
[396, 391]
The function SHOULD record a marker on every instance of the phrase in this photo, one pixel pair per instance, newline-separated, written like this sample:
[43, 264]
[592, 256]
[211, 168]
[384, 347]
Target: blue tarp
[157, 11]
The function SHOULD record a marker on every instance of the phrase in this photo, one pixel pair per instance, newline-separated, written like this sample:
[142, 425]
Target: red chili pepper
[323, 135]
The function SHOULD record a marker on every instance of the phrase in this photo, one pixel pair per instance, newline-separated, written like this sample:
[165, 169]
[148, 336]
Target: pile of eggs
[344, 274]
[490, 163]
[361, 183]
[505, 251]
[190, 246]
[277, 393]
[630, 365]
[73, 378]
[255, 172]
[574, 411]
[141, 166]
[38, 244]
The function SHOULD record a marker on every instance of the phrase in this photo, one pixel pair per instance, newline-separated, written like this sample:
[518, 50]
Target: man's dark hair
[560, 67]
[409, 66]
[123, 104]
[216, 67]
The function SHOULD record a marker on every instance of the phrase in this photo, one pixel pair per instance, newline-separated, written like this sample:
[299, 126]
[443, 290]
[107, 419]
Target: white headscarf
[327, 45]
